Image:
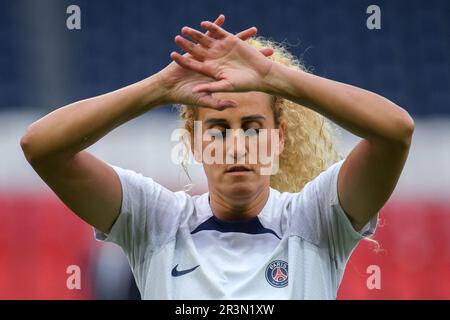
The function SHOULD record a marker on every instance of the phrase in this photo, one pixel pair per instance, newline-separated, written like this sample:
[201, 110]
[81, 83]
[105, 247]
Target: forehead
[249, 103]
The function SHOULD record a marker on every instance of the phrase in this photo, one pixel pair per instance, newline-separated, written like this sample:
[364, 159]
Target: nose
[236, 148]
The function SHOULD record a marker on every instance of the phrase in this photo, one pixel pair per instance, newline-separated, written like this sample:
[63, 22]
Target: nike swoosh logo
[177, 273]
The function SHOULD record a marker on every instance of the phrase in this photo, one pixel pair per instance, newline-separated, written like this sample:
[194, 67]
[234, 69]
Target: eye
[216, 133]
[250, 132]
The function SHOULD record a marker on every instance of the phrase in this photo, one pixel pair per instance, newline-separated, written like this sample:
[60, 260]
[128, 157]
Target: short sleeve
[323, 219]
[149, 215]
[342, 237]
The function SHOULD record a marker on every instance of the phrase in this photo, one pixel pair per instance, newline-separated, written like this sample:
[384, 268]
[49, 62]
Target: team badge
[277, 273]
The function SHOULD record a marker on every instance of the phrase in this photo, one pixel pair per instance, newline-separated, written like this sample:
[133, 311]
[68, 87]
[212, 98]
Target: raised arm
[370, 173]
[54, 145]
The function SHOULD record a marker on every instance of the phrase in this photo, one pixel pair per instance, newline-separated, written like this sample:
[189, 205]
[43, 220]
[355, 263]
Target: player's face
[239, 146]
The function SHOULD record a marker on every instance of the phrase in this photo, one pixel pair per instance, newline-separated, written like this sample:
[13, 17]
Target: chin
[241, 188]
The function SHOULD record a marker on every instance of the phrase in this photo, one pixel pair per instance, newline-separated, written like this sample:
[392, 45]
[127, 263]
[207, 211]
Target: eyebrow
[252, 117]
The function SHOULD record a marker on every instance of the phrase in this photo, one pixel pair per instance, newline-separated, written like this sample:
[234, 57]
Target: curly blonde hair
[309, 137]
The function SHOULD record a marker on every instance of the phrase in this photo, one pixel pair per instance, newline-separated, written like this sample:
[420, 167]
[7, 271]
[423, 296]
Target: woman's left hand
[234, 63]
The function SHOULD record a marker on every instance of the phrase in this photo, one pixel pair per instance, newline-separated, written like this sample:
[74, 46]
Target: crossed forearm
[359, 111]
[72, 128]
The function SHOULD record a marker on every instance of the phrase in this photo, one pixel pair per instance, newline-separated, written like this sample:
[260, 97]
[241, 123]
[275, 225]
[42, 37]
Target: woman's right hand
[179, 81]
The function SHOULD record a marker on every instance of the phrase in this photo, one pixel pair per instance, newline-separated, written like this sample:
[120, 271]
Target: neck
[238, 207]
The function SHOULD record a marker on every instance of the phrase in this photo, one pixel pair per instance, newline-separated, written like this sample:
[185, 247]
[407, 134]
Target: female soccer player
[283, 235]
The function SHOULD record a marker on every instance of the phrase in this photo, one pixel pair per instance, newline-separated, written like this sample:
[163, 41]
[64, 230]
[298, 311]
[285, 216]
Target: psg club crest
[277, 273]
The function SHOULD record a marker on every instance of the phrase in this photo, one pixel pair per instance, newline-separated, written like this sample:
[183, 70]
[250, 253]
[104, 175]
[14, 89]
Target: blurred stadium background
[43, 66]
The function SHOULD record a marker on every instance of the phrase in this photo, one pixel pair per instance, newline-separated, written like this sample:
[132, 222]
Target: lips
[238, 168]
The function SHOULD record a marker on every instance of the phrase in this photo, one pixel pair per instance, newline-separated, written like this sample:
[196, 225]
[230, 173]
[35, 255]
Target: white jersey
[296, 248]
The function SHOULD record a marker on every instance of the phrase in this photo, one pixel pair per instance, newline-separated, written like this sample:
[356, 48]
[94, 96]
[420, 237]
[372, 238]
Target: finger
[208, 101]
[267, 51]
[190, 47]
[190, 63]
[247, 34]
[197, 36]
[225, 104]
[216, 31]
[217, 86]
[219, 21]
